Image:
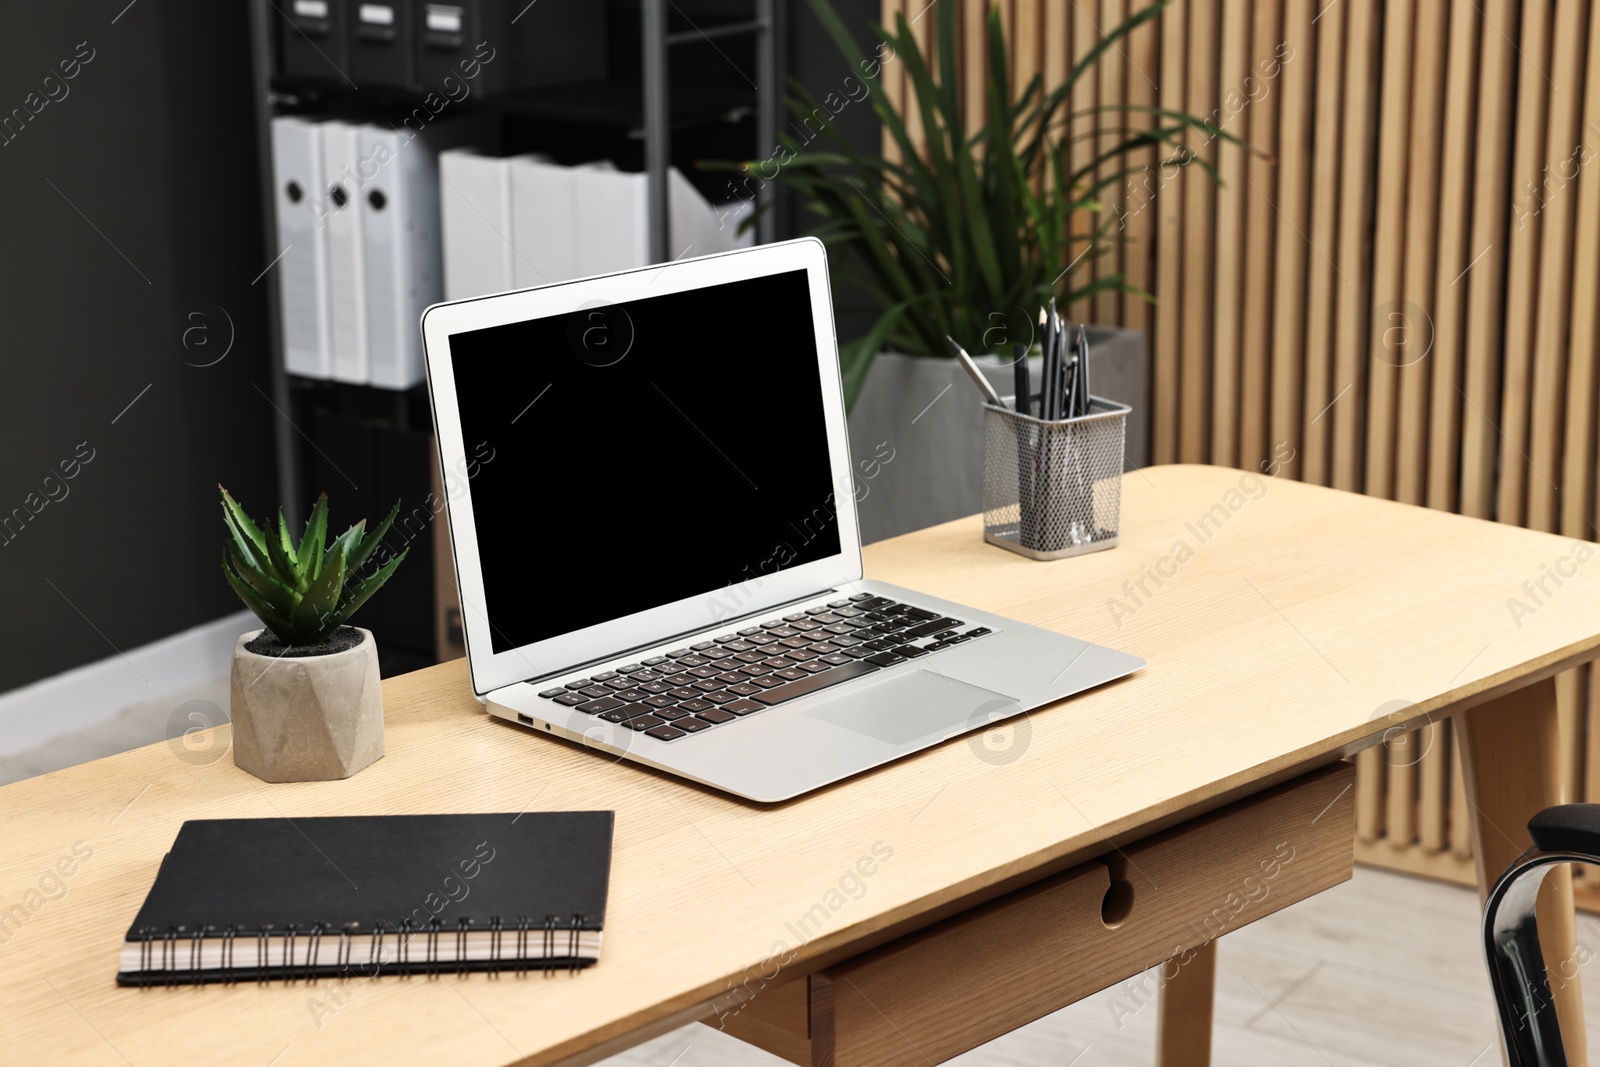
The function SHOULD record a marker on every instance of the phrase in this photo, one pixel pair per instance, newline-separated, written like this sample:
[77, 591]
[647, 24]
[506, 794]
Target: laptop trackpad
[912, 706]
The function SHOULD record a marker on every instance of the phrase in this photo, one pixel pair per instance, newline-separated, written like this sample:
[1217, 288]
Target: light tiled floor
[1383, 971]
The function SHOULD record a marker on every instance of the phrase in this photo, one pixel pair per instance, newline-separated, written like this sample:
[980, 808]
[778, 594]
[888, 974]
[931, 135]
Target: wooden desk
[1279, 635]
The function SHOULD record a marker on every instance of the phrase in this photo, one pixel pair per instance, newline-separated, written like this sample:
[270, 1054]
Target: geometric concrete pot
[306, 718]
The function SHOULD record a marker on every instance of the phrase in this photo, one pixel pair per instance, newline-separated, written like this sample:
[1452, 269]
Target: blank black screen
[644, 453]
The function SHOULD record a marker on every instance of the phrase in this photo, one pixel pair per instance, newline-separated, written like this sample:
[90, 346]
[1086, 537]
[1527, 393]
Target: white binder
[698, 228]
[613, 220]
[401, 235]
[521, 222]
[611, 213]
[341, 192]
[302, 266]
[544, 224]
[475, 205]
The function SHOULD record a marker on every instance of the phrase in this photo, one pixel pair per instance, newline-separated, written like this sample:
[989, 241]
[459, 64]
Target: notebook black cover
[542, 871]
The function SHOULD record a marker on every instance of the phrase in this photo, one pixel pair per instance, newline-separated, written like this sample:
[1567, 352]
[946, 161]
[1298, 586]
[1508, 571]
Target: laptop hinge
[721, 625]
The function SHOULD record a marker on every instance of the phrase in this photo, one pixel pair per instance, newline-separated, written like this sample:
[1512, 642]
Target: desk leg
[1511, 763]
[1183, 1032]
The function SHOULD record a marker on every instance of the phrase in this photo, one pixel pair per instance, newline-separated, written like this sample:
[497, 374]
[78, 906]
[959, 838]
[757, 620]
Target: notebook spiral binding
[164, 970]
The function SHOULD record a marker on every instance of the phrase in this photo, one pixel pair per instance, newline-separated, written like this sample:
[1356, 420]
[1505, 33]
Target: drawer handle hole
[1117, 904]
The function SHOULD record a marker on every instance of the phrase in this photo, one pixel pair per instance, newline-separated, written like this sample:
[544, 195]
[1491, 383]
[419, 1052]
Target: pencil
[1020, 378]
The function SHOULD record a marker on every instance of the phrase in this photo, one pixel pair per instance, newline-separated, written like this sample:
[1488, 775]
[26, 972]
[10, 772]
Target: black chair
[1567, 833]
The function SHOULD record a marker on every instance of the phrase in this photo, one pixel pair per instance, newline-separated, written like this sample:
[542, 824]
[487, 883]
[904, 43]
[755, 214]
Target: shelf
[618, 105]
[621, 104]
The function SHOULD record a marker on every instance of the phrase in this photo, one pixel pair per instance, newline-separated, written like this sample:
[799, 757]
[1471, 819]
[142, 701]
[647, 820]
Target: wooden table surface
[1286, 621]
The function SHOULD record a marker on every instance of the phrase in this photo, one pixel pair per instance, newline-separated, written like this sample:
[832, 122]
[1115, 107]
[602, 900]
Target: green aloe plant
[302, 592]
[978, 222]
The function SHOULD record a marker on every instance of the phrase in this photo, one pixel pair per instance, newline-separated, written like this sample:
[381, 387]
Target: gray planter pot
[923, 442]
[309, 718]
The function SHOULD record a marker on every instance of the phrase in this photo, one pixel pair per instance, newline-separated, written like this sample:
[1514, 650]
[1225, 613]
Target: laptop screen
[644, 453]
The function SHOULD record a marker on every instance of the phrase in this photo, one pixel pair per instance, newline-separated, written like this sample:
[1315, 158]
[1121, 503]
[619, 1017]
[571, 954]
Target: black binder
[465, 41]
[492, 46]
[363, 896]
[381, 49]
[311, 41]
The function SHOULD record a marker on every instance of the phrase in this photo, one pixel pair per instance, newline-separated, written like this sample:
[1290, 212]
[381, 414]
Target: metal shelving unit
[599, 104]
[644, 111]
[657, 43]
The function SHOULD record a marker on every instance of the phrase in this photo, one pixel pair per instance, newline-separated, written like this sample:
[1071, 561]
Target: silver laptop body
[652, 511]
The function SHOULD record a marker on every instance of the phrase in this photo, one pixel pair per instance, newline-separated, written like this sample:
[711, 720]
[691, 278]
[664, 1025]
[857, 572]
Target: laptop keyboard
[711, 683]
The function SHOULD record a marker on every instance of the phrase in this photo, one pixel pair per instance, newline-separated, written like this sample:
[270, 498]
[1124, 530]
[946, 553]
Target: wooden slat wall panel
[1199, 231]
[1398, 279]
[1414, 818]
[1578, 452]
[1577, 489]
[1167, 364]
[1559, 205]
[1296, 81]
[1113, 78]
[1522, 278]
[1556, 202]
[1454, 260]
[1322, 291]
[894, 81]
[1389, 315]
[1260, 91]
[1414, 373]
[924, 21]
[1433, 787]
[1353, 257]
[1460, 814]
[1486, 272]
[974, 52]
[1085, 140]
[1057, 46]
[1026, 42]
[1228, 279]
[1137, 197]
[1444, 362]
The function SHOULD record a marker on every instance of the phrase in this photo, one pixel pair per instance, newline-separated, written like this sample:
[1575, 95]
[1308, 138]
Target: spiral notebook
[257, 899]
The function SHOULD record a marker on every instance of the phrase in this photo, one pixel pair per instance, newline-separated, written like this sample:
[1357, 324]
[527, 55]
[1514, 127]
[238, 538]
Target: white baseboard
[91, 694]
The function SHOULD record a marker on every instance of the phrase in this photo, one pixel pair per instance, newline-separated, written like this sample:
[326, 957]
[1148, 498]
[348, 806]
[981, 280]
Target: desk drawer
[969, 979]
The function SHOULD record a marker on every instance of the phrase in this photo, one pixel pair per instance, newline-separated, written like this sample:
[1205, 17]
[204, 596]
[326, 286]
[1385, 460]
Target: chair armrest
[1568, 828]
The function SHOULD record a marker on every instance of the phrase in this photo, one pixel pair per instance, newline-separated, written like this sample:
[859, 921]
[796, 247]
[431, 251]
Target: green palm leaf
[974, 216]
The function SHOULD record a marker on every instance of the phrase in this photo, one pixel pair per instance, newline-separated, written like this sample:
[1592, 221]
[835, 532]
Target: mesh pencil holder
[1053, 489]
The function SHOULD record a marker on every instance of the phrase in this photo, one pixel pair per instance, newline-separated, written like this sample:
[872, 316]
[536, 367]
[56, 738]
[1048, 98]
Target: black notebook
[240, 899]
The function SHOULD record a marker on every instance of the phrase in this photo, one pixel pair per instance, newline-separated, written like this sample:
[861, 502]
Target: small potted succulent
[306, 701]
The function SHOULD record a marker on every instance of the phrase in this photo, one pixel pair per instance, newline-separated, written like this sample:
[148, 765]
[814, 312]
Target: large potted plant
[306, 703]
[966, 235]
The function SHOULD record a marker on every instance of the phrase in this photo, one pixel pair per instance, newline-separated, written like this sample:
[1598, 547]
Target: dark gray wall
[815, 62]
[131, 202]
[153, 145]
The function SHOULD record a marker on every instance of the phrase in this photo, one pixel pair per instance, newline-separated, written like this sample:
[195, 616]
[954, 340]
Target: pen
[1023, 398]
[1083, 370]
[975, 374]
[1069, 388]
[1063, 366]
[1053, 367]
[1047, 369]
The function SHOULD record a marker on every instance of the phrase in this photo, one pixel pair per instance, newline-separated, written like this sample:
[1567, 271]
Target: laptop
[652, 509]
